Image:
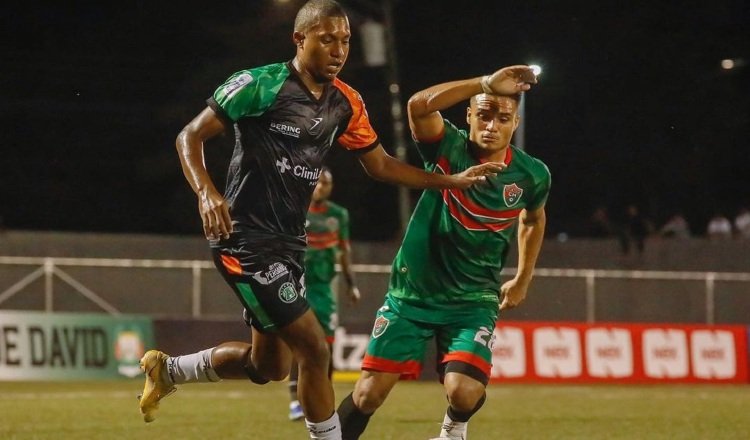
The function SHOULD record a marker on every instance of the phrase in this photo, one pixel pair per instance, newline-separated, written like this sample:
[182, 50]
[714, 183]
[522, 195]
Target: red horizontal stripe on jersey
[469, 358]
[474, 209]
[323, 244]
[322, 240]
[505, 217]
[469, 222]
[407, 369]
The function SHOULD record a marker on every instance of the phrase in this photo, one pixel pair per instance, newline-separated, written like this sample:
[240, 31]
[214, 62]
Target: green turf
[238, 410]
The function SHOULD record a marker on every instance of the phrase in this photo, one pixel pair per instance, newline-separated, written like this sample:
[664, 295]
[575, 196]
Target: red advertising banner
[612, 352]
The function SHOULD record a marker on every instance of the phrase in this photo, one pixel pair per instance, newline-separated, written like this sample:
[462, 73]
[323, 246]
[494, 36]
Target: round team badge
[287, 292]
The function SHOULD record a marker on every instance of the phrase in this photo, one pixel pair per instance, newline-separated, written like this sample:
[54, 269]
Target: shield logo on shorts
[287, 293]
[512, 194]
[380, 325]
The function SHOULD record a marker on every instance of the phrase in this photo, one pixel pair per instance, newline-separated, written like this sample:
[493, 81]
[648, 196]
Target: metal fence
[180, 288]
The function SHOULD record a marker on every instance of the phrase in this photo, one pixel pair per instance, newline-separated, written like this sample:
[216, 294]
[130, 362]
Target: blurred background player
[445, 280]
[327, 242]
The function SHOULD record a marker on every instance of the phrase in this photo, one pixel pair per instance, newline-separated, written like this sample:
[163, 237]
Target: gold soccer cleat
[155, 388]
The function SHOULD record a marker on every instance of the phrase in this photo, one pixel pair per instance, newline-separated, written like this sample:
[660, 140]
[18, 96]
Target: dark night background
[632, 105]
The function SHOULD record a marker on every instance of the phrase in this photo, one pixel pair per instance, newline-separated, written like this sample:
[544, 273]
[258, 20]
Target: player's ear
[516, 121]
[468, 115]
[298, 38]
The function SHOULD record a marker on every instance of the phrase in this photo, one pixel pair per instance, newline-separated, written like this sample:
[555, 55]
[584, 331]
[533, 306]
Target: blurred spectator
[599, 225]
[676, 227]
[742, 223]
[636, 228]
[719, 227]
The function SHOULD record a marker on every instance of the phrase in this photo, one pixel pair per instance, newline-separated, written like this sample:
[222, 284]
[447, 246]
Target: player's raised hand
[476, 174]
[509, 80]
[214, 212]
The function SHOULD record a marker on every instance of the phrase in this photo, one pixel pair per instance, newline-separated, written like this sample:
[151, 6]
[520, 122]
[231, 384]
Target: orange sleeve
[359, 134]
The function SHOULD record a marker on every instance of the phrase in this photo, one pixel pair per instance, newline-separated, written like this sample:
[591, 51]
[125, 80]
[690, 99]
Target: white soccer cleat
[153, 363]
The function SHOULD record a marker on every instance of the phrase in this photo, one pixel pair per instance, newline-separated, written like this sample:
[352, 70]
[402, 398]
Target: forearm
[392, 170]
[530, 238]
[442, 96]
[345, 260]
[190, 151]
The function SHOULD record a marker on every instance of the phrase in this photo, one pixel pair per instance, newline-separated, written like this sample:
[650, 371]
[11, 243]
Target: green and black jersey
[282, 135]
[327, 231]
[457, 240]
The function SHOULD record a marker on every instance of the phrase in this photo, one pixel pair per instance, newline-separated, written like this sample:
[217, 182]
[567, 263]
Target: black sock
[353, 421]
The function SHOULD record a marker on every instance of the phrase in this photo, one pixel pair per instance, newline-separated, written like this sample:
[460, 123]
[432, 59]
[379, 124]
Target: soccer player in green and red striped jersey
[284, 118]
[445, 280]
[327, 229]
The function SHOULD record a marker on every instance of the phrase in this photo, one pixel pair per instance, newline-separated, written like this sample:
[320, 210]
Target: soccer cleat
[295, 411]
[153, 364]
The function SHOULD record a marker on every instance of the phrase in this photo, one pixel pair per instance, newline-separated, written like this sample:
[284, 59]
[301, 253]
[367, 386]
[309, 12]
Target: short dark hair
[312, 11]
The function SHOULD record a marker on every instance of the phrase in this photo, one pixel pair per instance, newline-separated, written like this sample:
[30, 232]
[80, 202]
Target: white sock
[452, 429]
[327, 430]
[190, 368]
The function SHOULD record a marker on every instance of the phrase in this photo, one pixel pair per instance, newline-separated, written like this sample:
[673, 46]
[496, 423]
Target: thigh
[267, 283]
[397, 344]
[467, 338]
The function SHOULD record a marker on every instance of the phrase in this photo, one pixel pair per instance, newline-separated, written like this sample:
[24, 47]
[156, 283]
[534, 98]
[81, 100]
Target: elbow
[417, 105]
[181, 140]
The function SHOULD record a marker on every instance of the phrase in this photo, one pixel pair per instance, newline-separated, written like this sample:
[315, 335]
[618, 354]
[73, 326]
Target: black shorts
[266, 276]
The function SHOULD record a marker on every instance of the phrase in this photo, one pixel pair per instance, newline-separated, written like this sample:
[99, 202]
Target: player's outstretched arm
[211, 205]
[530, 236]
[382, 166]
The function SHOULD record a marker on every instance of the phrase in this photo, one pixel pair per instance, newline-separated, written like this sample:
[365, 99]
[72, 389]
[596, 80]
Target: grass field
[238, 410]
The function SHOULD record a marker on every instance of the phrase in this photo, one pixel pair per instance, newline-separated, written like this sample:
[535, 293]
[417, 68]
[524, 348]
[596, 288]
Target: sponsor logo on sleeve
[237, 84]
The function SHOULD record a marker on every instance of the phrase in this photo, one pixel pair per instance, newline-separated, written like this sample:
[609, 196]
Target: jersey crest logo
[287, 293]
[512, 194]
[380, 325]
[237, 84]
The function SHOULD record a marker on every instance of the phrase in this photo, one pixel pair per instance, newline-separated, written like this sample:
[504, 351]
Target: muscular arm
[530, 237]
[425, 120]
[211, 205]
[382, 166]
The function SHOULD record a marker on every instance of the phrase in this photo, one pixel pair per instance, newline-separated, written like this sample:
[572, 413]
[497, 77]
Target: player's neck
[315, 87]
[483, 155]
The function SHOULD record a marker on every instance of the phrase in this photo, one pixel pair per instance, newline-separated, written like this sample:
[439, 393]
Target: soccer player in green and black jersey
[327, 229]
[284, 118]
[445, 280]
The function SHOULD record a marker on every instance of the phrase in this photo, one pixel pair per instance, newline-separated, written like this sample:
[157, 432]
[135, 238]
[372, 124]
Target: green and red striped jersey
[327, 231]
[457, 240]
[282, 135]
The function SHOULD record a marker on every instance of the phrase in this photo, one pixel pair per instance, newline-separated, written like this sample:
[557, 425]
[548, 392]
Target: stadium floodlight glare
[727, 64]
[536, 68]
